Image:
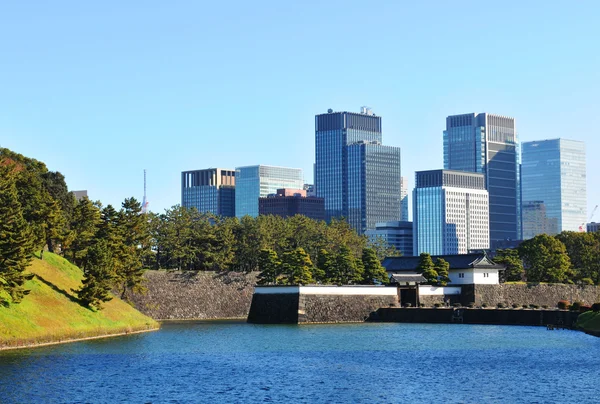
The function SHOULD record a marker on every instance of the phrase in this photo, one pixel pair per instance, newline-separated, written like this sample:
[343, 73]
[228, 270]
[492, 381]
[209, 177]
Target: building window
[486, 275]
[461, 275]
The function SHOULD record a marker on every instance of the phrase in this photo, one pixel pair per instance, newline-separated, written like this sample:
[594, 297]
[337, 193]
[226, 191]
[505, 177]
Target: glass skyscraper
[358, 177]
[211, 190]
[487, 144]
[397, 234]
[404, 198]
[253, 182]
[553, 180]
[450, 212]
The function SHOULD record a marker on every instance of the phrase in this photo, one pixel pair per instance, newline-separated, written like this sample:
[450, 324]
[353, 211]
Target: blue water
[237, 362]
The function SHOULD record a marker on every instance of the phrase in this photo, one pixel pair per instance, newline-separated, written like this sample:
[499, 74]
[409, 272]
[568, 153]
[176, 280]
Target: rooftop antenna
[144, 201]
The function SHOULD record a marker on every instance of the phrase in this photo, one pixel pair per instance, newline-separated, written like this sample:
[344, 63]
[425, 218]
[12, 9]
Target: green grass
[50, 313]
[589, 322]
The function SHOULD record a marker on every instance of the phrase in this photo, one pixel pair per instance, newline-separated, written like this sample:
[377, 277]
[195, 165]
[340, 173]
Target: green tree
[326, 266]
[427, 269]
[514, 266]
[442, 268]
[15, 241]
[346, 271]
[270, 267]
[382, 248]
[583, 250]
[297, 267]
[545, 259]
[99, 276]
[133, 229]
[374, 272]
[84, 225]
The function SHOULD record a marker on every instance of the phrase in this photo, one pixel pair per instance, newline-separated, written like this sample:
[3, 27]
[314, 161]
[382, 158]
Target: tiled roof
[458, 261]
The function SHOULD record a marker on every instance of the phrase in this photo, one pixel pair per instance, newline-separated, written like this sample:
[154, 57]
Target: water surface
[238, 362]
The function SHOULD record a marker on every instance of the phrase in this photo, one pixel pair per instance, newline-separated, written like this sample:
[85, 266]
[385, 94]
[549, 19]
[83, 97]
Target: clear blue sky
[101, 90]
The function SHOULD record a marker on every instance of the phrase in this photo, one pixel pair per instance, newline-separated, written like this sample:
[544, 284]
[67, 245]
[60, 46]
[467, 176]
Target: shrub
[514, 306]
[576, 306]
[534, 306]
[587, 281]
[437, 305]
[525, 306]
[596, 307]
[472, 304]
[408, 305]
[544, 306]
[457, 305]
[569, 282]
[484, 305]
[563, 304]
[501, 305]
[421, 304]
[585, 308]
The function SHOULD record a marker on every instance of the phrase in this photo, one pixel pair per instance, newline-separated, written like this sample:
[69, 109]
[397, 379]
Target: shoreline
[67, 341]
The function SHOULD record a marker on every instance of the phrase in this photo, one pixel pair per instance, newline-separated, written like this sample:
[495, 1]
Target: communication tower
[145, 201]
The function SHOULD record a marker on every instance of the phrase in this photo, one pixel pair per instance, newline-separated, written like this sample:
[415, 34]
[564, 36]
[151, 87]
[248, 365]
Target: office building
[254, 182]
[290, 202]
[487, 144]
[358, 177]
[79, 195]
[397, 234]
[592, 227]
[536, 221]
[310, 190]
[553, 174]
[210, 191]
[404, 199]
[450, 212]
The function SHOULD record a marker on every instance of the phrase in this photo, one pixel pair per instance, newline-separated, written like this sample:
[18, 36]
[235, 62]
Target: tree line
[113, 246]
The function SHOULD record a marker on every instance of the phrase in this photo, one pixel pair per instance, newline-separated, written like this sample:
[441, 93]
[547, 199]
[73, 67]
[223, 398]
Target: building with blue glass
[397, 234]
[254, 182]
[553, 184]
[487, 144]
[450, 212]
[404, 199]
[358, 177]
[210, 191]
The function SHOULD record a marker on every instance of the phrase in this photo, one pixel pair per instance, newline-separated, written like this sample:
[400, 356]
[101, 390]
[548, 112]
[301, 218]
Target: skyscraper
[211, 190]
[404, 198]
[397, 234]
[253, 182]
[487, 144]
[450, 212]
[358, 177]
[554, 175]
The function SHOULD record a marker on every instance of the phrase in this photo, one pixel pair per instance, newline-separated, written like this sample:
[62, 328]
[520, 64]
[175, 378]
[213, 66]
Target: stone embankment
[538, 294]
[187, 295]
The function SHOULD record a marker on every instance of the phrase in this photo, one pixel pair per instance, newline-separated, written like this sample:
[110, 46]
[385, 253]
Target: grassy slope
[51, 313]
[589, 322]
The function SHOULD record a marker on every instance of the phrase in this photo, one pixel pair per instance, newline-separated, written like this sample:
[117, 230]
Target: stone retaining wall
[340, 308]
[186, 295]
[540, 294]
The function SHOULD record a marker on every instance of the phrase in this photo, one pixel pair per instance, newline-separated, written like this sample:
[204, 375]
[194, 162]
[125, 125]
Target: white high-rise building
[450, 212]
[404, 199]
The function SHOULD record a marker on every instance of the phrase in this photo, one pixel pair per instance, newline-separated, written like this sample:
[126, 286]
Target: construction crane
[583, 226]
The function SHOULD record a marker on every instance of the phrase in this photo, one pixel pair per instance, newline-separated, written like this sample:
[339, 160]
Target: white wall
[426, 290]
[473, 276]
[328, 290]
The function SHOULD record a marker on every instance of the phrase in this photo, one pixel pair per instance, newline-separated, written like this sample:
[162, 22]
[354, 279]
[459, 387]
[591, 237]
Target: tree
[84, 225]
[270, 267]
[346, 271]
[583, 250]
[427, 269]
[442, 268]
[382, 248]
[545, 259]
[15, 241]
[374, 272]
[514, 266]
[326, 267]
[297, 267]
[99, 276]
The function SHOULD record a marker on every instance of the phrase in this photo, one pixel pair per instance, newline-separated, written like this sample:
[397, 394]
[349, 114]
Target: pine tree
[374, 272]
[442, 267]
[15, 241]
[325, 266]
[99, 276]
[346, 270]
[426, 268]
[133, 229]
[270, 267]
[297, 267]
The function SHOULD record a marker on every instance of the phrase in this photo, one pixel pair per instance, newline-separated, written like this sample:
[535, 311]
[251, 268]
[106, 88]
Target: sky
[101, 91]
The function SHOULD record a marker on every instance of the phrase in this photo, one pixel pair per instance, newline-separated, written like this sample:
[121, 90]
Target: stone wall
[428, 301]
[540, 294]
[186, 295]
[340, 308]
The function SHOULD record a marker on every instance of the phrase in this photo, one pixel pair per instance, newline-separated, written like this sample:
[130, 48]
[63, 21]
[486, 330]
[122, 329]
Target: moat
[238, 362]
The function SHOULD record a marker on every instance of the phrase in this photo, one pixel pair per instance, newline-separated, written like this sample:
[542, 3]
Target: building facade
[487, 144]
[592, 227]
[397, 234]
[450, 212]
[404, 199]
[358, 177]
[291, 202]
[553, 174]
[254, 182]
[210, 191]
